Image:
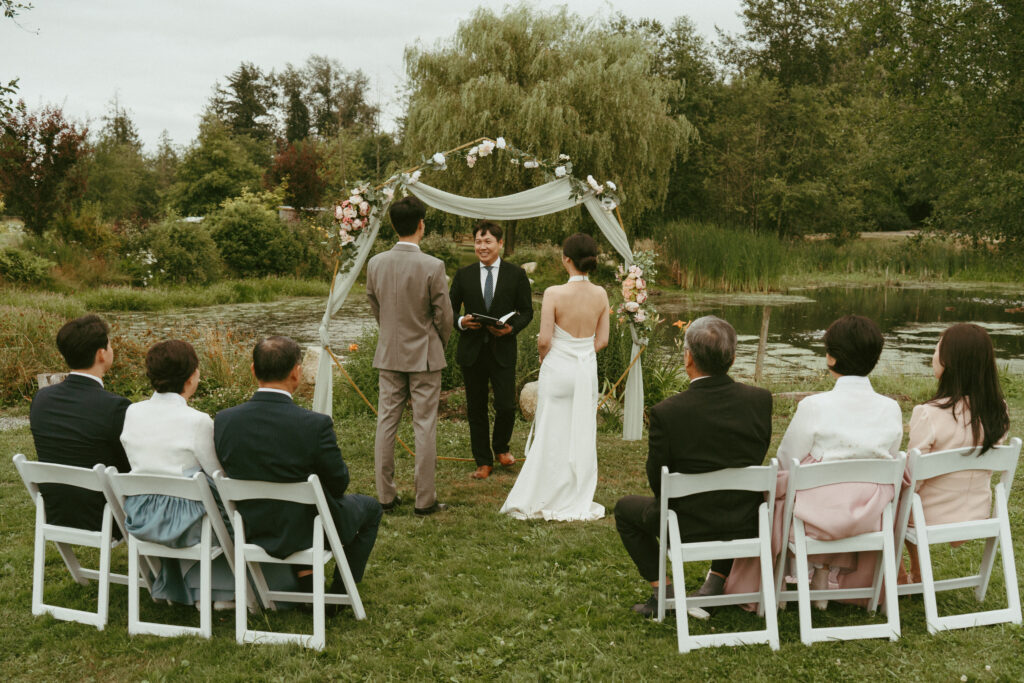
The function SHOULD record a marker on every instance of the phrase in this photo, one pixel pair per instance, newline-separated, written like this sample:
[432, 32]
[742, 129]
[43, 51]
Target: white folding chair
[250, 555]
[675, 485]
[801, 477]
[995, 530]
[65, 538]
[205, 552]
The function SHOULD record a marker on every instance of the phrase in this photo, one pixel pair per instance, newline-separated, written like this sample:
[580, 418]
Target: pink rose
[364, 208]
[640, 316]
[632, 306]
[641, 297]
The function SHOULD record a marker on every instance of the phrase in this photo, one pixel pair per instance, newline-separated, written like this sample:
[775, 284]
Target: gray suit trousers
[424, 390]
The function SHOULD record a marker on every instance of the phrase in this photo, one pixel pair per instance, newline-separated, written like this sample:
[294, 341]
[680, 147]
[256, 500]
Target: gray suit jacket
[408, 293]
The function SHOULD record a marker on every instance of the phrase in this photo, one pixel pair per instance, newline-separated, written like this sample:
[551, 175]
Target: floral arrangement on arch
[352, 216]
[635, 306]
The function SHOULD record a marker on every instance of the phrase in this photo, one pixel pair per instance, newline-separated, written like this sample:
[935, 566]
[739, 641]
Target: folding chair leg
[241, 624]
[803, 582]
[38, 562]
[104, 578]
[924, 559]
[319, 608]
[205, 582]
[988, 561]
[67, 553]
[1009, 565]
[888, 560]
[679, 578]
[133, 586]
[768, 607]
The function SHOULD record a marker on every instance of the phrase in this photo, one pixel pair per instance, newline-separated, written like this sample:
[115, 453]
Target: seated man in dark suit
[715, 424]
[77, 422]
[269, 438]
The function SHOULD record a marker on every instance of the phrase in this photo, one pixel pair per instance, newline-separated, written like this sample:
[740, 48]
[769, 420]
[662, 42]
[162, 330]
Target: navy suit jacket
[715, 424]
[77, 422]
[269, 438]
[511, 293]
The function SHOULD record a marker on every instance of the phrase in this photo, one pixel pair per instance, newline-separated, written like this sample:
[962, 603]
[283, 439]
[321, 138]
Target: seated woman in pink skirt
[967, 410]
[850, 421]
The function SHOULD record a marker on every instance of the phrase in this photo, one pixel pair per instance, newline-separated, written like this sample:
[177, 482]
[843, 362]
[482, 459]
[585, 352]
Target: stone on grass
[528, 400]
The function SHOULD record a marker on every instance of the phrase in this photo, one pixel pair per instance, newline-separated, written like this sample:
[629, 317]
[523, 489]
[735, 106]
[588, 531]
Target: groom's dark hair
[274, 357]
[79, 340]
[488, 227]
[406, 214]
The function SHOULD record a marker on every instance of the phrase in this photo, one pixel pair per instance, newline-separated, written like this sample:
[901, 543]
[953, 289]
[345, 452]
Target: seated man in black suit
[269, 438]
[715, 424]
[77, 422]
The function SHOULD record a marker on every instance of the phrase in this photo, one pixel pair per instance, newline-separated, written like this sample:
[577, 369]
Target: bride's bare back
[580, 308]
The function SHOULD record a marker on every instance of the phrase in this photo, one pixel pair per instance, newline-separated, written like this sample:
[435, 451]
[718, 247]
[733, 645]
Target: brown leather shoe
[506, 459]
[482, 472]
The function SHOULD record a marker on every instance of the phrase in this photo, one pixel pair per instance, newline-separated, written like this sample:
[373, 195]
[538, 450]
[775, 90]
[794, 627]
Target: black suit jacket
[79, 423]
[715, 424]
[511, 293]
[269, 438]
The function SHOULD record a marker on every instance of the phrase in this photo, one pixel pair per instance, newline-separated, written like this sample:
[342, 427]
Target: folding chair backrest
[864, 470]
[247, 489]
[675, 485]
[1001, 459]
[34, 473]
[193, 488]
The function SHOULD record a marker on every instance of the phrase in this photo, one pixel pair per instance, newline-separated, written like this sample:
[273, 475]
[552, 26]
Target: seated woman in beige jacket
[967, 410]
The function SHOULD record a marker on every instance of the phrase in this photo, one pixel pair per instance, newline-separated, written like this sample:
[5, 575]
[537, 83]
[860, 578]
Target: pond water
[910, 318]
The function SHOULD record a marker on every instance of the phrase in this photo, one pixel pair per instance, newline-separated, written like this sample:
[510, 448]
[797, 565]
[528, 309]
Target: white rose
[594, 184]
[338, 213]
[486, 147]
[346, 238]
[364, 208]
[357, 223]
[641, 297]
[389, 192]
[471, 161]
[414, 178]
[559, 171]
[473, 151]
[632, 306]
[640, 316]
[501, 143]
[530, 164]
[348, 212]
[563, 157]
[438, 159]
[611, 186]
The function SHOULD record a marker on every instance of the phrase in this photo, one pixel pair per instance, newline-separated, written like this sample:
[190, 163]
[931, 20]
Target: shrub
[439, 246]
[27, 347]
[18, 265]
[183, 252]
[252, 240]
[86, 227]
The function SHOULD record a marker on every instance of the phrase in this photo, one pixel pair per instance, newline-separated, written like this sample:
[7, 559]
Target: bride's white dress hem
[559, 476]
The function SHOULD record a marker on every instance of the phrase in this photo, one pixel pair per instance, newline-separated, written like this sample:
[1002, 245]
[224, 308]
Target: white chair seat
[675, 485]
[995, 530]
[66, 538]
[802, 477]
[193, 488]
[251, 555]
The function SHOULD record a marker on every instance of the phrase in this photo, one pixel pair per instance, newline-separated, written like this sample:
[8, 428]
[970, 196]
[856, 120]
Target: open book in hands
[490, 320]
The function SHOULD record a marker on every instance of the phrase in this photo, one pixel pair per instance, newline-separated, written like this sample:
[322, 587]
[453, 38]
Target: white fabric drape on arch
[539, 201]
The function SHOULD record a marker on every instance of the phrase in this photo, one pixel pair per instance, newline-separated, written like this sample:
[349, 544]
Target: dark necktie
[488, 288]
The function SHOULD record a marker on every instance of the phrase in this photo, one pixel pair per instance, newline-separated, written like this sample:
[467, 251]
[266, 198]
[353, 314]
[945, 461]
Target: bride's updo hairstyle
[582, 251]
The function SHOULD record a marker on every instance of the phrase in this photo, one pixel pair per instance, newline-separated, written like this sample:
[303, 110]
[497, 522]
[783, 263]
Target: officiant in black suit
[487, 353]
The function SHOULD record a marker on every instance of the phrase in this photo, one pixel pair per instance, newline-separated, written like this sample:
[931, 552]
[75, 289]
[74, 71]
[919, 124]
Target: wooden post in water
[762, 344]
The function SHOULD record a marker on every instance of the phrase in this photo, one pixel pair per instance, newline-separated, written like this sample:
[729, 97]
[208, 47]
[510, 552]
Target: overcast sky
[161, 57]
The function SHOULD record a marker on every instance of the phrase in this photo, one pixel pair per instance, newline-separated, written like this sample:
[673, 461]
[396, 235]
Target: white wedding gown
[559, 477]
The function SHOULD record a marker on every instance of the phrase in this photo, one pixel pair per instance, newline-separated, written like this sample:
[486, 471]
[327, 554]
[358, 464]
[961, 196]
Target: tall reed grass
[707, 256]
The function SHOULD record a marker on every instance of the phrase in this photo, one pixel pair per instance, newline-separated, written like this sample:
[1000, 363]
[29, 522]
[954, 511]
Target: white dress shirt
[851, 421]
[165, 436]
[483, 281]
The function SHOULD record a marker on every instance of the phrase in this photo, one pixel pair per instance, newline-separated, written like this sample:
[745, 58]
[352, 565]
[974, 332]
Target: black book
[490, 320]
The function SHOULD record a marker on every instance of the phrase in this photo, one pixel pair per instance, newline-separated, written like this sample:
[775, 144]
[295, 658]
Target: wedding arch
[358, 220]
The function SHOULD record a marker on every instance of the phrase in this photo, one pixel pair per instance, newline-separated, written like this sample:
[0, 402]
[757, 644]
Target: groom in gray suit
[408, 293]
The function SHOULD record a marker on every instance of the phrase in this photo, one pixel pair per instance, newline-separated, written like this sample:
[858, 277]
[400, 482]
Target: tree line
[832, 116]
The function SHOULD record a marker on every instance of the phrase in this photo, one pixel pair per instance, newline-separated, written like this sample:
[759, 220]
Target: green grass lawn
[472, 595]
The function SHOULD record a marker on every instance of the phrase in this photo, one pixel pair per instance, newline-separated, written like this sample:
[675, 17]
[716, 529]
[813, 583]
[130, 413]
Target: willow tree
[551, 83]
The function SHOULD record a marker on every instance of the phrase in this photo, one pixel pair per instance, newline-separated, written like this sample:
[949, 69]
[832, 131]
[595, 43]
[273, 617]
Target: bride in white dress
[559, 477]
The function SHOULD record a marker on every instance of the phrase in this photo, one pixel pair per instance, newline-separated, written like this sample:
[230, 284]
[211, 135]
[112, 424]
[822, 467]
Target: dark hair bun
[582, 251]
[587, 264]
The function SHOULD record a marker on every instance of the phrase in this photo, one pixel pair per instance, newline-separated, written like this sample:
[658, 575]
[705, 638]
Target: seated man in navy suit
[77, 422]
[269, 438]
